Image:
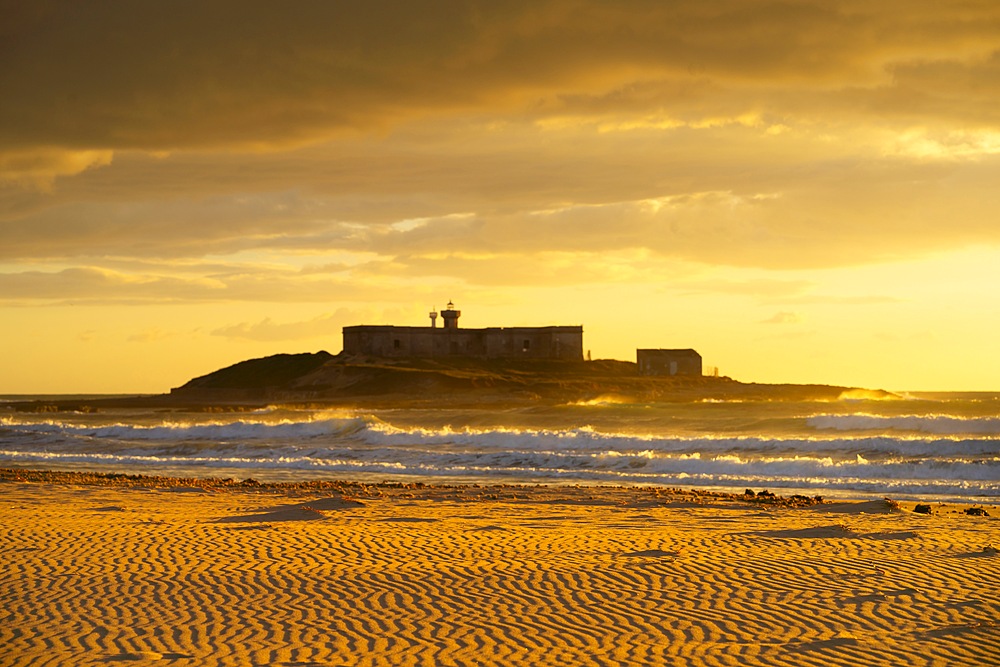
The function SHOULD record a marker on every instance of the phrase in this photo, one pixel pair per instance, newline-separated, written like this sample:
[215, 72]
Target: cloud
[268, 330]
[771, 289]
[530, 268]
[727, 159]
[837, 300]
[241, 151]
[724, 195]
[99, 286]
[38, 168]
[841, 214]
[252, 75]
[153, 335]
[88, 283]
[784, 317]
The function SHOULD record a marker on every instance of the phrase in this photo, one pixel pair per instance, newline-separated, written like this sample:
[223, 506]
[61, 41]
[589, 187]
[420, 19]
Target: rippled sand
[92, 574]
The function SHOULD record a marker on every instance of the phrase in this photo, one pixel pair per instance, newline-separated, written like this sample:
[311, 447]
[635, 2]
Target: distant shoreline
[379, 489]
[613, 494]
[326, 381]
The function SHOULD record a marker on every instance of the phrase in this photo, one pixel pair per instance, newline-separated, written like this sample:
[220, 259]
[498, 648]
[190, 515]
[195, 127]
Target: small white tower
[434, 319]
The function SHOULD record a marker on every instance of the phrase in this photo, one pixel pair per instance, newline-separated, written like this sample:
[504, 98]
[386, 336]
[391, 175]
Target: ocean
[930, 446]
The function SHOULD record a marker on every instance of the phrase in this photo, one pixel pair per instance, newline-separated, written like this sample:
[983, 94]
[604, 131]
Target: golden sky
[804, 191]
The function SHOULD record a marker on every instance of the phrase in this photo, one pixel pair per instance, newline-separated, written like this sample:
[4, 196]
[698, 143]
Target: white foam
[935, 424]
[979, 480]
[183, 430]
[346, 443]
[587, 439]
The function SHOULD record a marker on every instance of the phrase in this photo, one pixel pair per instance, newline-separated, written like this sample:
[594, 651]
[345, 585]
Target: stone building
[555, 342]
[668, 362]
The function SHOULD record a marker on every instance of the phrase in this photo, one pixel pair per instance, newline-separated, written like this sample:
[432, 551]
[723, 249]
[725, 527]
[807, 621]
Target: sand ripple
[445, 579]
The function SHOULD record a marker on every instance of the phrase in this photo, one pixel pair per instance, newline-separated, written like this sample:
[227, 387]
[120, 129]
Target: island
[426, 366]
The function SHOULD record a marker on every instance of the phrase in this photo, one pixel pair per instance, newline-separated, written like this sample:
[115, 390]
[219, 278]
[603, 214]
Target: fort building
[668, 362]
[553, 342]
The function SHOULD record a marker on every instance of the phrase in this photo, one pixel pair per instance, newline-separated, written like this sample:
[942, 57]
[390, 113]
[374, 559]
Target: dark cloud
[497, 143]
[251, 74]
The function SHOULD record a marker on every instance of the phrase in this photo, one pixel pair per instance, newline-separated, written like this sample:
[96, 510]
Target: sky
[803, 191]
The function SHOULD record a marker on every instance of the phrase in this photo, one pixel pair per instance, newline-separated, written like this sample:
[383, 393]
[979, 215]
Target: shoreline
[100, 569]
[378, 383]
[387, 489]
[625, 495]
[267, 481]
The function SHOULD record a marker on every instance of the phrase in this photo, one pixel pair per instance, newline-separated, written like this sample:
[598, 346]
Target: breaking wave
[348, 444]
[167, 430]
[935, 424]
[372, 431]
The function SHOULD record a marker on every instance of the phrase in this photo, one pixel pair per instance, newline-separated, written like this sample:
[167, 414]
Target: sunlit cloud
[38, 168]
[321, 71]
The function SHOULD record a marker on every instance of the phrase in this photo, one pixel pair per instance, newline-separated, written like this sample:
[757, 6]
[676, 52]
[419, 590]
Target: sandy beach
[97, 570]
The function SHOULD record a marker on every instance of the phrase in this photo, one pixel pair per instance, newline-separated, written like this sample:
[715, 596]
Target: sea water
[922, 446]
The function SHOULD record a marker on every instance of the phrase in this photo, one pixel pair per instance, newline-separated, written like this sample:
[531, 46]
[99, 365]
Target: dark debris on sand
[607, 495]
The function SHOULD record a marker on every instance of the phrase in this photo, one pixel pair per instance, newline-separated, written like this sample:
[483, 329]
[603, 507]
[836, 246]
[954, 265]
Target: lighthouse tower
[450, 316]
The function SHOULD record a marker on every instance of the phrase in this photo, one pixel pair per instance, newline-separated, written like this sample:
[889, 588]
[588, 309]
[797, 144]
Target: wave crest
[243, 429]
[934, 424]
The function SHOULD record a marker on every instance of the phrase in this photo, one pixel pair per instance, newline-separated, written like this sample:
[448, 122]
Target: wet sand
[98, 570]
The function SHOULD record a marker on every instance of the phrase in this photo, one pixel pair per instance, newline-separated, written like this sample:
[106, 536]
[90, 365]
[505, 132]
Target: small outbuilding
[668, 362]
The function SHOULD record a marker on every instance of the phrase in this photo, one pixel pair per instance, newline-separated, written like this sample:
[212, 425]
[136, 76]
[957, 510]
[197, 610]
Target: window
[396, 344]
[526, 346]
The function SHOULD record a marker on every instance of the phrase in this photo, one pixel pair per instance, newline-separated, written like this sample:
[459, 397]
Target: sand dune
[93, 575]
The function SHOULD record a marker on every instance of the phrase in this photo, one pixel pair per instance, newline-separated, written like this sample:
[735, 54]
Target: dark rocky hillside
[275, 371]
[322, 377]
